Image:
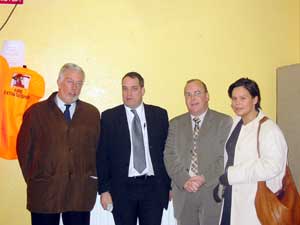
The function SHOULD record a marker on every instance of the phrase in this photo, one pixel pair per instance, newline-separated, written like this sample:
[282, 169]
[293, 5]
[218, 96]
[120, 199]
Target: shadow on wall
[288, 113]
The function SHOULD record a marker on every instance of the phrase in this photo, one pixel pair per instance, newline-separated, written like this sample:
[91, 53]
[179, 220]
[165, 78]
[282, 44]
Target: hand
[218, 193]
[105, 199]
[200, 180]
[191, 186]
[223, 179]
[170, 196]
[194, 183]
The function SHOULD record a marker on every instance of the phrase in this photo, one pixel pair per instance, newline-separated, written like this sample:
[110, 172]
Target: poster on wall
[14, 52]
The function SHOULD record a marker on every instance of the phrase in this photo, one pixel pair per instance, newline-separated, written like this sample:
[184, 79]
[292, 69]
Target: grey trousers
[200, 209]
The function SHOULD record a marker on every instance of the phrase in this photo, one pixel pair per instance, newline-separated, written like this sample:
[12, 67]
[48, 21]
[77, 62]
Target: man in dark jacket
[131, 172]
[56, 148]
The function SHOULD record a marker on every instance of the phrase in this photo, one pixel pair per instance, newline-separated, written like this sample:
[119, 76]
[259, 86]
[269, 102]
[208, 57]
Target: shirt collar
[138, 109]
[201, 117]
[61, 104]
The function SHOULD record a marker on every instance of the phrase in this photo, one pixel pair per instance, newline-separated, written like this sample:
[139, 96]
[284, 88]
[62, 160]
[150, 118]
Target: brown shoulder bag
[282, 207]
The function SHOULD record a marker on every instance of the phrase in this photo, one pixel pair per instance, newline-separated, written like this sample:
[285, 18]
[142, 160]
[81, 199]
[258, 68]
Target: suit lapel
[187, 128]
[187, 131]
[206, 125]
[123, 126]
[150, 123]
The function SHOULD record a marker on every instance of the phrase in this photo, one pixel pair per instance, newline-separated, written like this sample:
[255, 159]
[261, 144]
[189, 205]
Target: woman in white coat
[243, 167]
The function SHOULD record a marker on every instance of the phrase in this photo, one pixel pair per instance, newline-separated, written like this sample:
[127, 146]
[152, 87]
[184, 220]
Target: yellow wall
[167, 41]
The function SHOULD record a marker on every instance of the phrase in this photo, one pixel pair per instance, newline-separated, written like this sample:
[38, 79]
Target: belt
[143, 177]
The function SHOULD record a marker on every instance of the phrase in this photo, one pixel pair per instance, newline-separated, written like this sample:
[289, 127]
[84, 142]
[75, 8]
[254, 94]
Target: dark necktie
[194, 161]
[67, 114]
[139, 160]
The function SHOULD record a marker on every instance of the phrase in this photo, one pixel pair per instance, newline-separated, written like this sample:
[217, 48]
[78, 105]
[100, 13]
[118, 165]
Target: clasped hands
[194, 183]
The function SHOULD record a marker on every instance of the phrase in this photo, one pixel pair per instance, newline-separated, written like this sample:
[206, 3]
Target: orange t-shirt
[19, 88]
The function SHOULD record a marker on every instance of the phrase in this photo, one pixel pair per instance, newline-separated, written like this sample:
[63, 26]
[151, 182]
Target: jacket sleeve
[102, 156]
[25, 144]
[166, 128]
[175, 168]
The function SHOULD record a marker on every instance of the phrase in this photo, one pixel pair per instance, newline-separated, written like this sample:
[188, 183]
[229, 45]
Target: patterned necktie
[139, 160]
[194, 161]
[67, 113]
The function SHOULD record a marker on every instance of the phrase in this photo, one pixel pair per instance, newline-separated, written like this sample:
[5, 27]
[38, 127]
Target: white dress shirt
[61, 105]
[149, 168]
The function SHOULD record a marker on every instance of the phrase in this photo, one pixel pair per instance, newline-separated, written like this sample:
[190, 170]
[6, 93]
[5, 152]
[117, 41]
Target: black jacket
[113, 153]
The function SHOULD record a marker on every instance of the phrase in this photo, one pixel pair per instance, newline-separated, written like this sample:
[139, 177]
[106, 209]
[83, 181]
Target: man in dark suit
[194, 157]
[131, 173]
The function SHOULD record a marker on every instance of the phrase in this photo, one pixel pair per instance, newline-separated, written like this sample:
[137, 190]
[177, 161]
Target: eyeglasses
[71, 82]
[195, 94]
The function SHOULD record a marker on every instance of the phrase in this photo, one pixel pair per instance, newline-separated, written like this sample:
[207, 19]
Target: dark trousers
[140, 202]
[225, 220]
[69, 218]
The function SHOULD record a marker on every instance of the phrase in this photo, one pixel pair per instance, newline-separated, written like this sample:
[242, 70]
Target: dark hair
[251, 87]
[135, 75]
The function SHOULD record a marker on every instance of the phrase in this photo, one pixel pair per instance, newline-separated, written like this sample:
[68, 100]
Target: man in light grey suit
[194, 154]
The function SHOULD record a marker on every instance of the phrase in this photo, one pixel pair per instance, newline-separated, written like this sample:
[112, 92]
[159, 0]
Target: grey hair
[72, 67]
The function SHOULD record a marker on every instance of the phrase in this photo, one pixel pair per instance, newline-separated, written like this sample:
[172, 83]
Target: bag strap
[262, 120]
